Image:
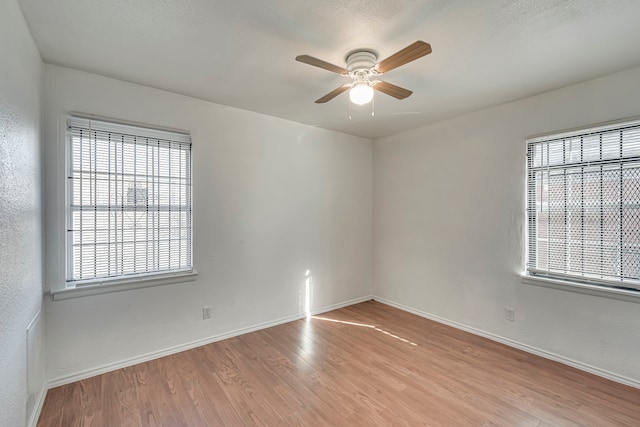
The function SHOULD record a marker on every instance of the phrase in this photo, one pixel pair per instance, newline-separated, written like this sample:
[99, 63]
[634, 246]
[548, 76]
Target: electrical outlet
[206, 313]
[510, 314]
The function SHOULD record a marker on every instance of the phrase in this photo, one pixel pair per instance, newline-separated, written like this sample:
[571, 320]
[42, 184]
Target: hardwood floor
[368, 364]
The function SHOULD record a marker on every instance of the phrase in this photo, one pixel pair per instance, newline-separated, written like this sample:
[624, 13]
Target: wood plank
[367, 364]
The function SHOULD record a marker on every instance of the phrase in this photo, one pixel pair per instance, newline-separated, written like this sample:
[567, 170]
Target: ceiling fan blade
[321, 64]
[392, 90]
[333, 94]
[410, 53]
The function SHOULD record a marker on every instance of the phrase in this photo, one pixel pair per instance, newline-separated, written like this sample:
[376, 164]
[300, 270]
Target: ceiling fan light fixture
[361, 94]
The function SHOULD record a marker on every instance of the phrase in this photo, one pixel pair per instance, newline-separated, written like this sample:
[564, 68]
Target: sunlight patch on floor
[365, 325]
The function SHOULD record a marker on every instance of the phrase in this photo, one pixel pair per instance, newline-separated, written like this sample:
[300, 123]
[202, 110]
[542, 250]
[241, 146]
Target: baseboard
[341, 305]
[88, 373]
[37, 408]
[515, 344]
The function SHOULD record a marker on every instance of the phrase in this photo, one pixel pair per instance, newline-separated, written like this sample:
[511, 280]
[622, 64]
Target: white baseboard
[520, 346]
[88, 373]
[37, 408]
[341, 305]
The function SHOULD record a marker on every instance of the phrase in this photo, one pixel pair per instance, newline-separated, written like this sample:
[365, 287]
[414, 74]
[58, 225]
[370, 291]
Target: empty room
[319, 213]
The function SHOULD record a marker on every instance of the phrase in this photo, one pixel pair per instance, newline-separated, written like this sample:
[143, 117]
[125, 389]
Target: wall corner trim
[35, 414]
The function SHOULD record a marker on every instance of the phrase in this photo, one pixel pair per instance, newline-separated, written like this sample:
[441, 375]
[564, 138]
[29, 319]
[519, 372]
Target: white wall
[272, 199]
[449, 212]
[20, 214]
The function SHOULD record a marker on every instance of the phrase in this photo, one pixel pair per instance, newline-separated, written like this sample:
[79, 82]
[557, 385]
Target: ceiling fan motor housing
[361, 60]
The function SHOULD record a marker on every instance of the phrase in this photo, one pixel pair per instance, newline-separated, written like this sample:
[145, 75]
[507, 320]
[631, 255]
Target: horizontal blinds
[129, 200]
[584, 205]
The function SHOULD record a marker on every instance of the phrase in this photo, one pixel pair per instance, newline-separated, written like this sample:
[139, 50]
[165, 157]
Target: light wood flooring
[364, 365]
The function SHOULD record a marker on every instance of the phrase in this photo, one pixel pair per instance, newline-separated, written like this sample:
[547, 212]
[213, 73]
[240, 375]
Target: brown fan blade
[408, 54]
[333, 94]
[321, 64]
[393, 90]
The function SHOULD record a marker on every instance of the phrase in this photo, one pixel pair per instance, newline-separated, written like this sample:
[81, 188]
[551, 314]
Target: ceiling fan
[363, 70]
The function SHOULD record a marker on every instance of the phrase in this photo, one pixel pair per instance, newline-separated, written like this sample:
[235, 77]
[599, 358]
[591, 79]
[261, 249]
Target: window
[128, 202]
[584, 206]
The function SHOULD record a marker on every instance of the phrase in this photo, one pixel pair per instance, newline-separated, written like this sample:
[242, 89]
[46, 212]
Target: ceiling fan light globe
[361, 94]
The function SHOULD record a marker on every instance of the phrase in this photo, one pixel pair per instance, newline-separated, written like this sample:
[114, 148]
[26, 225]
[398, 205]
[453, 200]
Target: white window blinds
[584, 205]
[128, 201]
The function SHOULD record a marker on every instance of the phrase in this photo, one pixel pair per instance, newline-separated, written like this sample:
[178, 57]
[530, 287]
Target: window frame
[93, 286]
[568, 282]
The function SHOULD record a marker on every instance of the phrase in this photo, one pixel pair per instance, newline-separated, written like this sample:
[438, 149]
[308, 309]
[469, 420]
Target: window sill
[122, 285]
[583, 288]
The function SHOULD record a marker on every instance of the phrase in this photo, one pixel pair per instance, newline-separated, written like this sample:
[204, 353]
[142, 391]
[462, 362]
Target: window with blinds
[584, 205]
[128, 201]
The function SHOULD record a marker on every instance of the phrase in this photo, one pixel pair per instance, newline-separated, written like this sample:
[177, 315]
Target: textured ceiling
[241, 53]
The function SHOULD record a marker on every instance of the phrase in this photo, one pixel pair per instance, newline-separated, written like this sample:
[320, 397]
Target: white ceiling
[241, 53]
